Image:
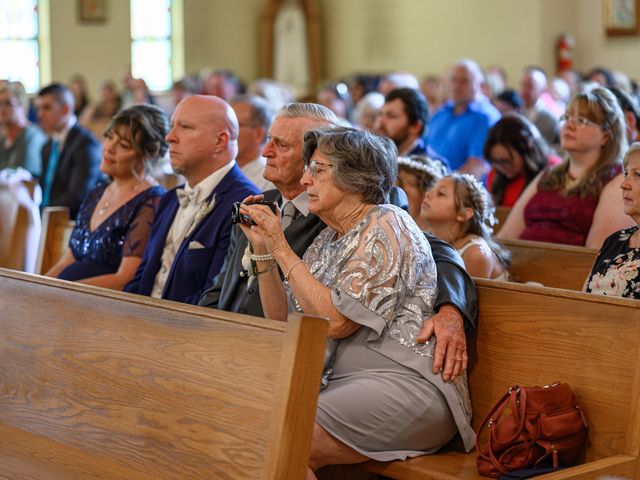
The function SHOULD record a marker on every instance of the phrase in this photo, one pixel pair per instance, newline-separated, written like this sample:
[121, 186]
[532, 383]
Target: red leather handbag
[531, 427]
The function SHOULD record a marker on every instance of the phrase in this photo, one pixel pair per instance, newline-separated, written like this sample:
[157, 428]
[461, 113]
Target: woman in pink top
[578, 201]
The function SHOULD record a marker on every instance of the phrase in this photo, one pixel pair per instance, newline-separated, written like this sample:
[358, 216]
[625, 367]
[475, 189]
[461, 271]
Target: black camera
[237, 217]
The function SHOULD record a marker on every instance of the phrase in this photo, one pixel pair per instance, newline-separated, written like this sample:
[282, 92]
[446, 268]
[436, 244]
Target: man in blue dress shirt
[459, 129]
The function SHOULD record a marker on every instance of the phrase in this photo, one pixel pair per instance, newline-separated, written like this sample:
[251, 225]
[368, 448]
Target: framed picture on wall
[92, 11]
[621, 17]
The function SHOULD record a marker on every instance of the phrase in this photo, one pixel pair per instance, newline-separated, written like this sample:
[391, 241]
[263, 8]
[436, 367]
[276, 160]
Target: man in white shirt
[191, 231]
[254, 117]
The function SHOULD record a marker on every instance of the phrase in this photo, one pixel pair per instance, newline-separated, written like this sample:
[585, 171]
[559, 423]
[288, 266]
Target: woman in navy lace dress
[114, 222]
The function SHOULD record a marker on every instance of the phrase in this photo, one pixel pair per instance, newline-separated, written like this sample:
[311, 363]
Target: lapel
[219, 193]
[66, 149]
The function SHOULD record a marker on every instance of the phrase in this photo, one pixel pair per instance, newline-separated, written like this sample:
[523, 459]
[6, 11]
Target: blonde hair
[600, 106]
[468, 192]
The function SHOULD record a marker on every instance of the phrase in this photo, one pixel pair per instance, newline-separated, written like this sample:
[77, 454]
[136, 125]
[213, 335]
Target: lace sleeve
[390, 269]
[140, 228]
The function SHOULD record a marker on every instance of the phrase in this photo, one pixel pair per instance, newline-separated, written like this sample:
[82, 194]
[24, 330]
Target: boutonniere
[203, 211]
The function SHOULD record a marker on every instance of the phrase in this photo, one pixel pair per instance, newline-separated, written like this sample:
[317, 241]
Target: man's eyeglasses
[579, 121]
[312, 167]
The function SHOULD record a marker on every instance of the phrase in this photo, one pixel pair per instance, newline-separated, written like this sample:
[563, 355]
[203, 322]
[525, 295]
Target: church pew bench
[56, 230]
[530, 335]
[501, 215]
[106, 385]
[550, 264]
[20, 225]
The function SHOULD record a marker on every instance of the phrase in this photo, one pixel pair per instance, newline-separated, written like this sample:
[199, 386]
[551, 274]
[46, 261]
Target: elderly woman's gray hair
[362, 161]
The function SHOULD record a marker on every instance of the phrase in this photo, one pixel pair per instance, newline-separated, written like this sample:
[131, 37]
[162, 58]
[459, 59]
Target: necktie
[288, 213]
[50, 174]
[185, 197]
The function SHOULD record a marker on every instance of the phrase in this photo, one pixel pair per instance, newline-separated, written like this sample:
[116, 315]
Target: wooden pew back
[537, 336]
[124, 386]
[19, 229]
[501, 216]
[56, 230]
[551, 264]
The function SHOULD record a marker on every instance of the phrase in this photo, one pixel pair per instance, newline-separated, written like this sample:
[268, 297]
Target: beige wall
[423, 36]
[98, 51]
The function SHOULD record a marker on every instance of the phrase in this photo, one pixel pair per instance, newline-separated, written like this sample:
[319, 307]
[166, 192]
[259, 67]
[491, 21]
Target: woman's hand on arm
[609, 216]
[514, 224]
[66, 260]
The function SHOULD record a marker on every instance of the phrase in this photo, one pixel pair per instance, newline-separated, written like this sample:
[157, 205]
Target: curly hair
[470, 193]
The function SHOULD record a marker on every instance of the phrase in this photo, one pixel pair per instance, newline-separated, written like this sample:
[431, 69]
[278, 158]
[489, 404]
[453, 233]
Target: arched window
[156, 37]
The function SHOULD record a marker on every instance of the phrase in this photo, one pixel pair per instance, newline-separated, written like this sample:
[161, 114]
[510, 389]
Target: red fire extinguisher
[564, 52]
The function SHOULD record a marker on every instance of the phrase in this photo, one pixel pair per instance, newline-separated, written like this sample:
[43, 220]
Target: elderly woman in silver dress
[371, 273]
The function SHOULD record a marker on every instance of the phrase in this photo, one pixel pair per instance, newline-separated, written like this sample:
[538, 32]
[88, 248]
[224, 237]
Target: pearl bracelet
[261, 258]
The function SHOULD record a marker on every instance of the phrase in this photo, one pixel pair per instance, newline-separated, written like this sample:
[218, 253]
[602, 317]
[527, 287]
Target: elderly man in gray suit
[235, 288]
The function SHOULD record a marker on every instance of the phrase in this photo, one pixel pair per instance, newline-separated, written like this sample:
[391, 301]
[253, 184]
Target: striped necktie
[52, 166]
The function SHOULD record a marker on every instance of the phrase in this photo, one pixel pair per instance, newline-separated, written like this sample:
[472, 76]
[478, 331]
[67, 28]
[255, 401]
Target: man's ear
[261, 133]
[415, 128]
[630, 120]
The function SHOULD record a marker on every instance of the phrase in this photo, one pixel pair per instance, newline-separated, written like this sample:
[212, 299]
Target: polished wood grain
[536, 336]
[550, 264]
[501, 215]
[56, 230]
[115, 383]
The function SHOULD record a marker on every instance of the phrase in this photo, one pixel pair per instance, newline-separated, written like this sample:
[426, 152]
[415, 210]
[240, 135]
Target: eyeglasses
[313, 167]
[500, 162]
[579, 121]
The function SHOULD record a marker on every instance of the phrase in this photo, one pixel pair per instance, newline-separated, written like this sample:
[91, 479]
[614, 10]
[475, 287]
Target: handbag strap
[518, 399]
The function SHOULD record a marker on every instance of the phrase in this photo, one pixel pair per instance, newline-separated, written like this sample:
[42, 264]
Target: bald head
[203, 137]
[534, 83]
[466, 79]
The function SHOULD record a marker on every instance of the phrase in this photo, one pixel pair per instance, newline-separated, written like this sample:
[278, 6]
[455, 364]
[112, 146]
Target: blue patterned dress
[124, 233]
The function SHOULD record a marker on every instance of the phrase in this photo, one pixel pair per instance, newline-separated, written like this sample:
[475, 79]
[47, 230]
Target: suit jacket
[230, 291]
[193, 270]
[78, 169]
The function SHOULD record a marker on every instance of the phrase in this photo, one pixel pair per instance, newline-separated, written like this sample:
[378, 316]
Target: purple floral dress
[616, 270]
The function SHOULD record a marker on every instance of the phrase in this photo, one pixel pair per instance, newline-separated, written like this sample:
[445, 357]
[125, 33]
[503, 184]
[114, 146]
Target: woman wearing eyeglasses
[371, 273]
[578, 201]
[517, 154]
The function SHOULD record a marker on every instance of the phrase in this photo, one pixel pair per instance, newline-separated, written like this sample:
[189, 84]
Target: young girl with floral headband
[459, 210]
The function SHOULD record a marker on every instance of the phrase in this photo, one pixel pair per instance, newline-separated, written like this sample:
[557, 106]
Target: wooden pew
[551, 264]
[19, 226]
[536, 336]
[106, 385]
[56, 229]
[501, 216]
